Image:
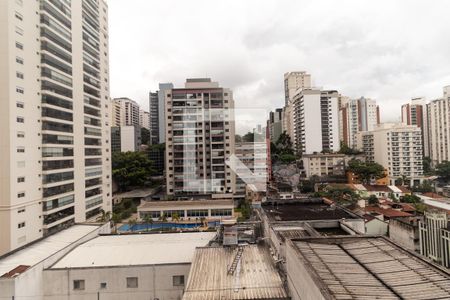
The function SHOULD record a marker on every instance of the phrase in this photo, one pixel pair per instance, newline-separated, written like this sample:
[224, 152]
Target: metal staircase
[236, 260]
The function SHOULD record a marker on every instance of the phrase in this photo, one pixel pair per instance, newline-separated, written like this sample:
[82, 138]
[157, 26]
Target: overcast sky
[389, 50]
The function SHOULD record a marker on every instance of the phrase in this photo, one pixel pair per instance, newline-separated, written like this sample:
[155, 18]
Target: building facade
[253, 169]
[154, 118]
[275, 124]
[199, 138]
[397, 147]
[415, 113]
[55, 166]
[163, 87]
[129, 111]
[125, 138]
[439, 128]
[316, 122]
[357, 115]
[324, 165]
[144, 119]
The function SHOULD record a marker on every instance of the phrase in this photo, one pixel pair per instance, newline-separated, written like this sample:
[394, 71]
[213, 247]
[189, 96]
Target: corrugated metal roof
[255, 276]
[135, 249]
[36, 252]
[372, 268]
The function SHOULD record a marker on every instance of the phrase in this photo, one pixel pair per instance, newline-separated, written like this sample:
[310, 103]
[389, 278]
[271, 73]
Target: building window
[21, 149]
[21, 210]
[78, 285]
[21, 195]
[20, 134]
[19, 75]
[19, 60]
[132, 282]
[19, 90]
[103, 285]
[21, 225]
[20, 179]
[19, 104]
[178, 280]
[19, 46]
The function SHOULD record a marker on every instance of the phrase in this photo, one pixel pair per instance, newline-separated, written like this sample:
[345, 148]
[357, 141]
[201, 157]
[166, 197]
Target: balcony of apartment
[55, 205]
[93, 192]
[58, 217]
[53, 179]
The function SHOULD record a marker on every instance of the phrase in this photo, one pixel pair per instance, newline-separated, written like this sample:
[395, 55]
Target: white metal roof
[135, 249]
[35, 253]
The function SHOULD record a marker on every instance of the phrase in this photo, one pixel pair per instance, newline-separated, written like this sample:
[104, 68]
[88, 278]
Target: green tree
[148, 220]
[238, 138]
[115, 218]
[162, 218]
[145, 136]
[427, 169]
[131, 169]
[373, 200]
[105, 216]
[175, 217]
[410, 199]
[366, 170]
[443, 170]
[345, 149]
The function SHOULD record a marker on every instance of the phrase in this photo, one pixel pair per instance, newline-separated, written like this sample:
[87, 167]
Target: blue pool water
[144, 227]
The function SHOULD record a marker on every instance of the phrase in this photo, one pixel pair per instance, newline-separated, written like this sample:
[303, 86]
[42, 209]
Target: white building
[253, 169]
[357, 115]
[439, 128]
[316, 121]
[144, 119]
[415, 113]
[125, 138]
[397, 147]
[129, 111]
[199, 138]
[136, 266]
[327, 164]
[435, 238]
[54, 124]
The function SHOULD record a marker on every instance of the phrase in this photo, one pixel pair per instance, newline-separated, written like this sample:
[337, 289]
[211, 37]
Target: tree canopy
[145, 136]
[443, 170]
[282, 149]
[345, 149]
[131, 169]
[366, 170]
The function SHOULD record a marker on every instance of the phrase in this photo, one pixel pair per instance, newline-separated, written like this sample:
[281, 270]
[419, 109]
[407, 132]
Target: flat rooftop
[135, 249]
[255, 276]
[305, 210]
[186, 203]
[36, 252]
[361, 267]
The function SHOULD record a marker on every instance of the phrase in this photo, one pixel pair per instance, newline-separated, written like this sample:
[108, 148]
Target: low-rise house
[387, 213]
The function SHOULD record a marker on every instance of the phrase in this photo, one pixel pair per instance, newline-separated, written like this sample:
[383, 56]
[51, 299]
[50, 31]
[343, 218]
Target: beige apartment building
[199, 138]
[54, 124]
[127, 111]
[397, 147]
[415, 113]
[439, 128]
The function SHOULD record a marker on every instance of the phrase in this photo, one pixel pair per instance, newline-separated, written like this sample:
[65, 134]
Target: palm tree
[115, 218]
[131, 223]
[105, 216]
[175, 217]
[162, 218]
[148, 220]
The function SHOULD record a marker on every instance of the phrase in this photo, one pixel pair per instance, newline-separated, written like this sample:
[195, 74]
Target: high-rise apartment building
[275, 124]
[55, 162]
[154, 117]
[316, 122]
[199, 138]
[253, 169]
[415, 113]
[439, 128]
[115, 114]
[397, 147]
[129, 111]
[357, 115]
[144, 119]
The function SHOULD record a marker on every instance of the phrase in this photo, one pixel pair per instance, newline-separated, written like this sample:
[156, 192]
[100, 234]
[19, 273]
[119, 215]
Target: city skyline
[362, 51]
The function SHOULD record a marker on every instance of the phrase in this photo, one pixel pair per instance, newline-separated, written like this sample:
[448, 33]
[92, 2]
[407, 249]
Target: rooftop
[305, 210]
[36, 252]
[135, 249]
[255, 276]
[361, 267]
[387, 212]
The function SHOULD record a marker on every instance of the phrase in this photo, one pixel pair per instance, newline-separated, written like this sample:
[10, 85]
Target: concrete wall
[404, 234]
[154, 281]
[376, 226]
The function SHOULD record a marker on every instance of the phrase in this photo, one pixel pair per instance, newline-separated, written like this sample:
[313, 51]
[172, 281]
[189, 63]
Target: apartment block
[55, 165]
[129, 111]
[125, 138]
[275, 124]
[357, 115]
[154, 117]
[316, 121]
[415, 113]
[397, 147]
[324, 164]
[439, 128]
[199, 138]
[144, 119]
[253, 169]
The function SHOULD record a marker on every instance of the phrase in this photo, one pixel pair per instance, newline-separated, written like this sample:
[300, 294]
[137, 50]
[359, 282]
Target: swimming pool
[168, 225]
